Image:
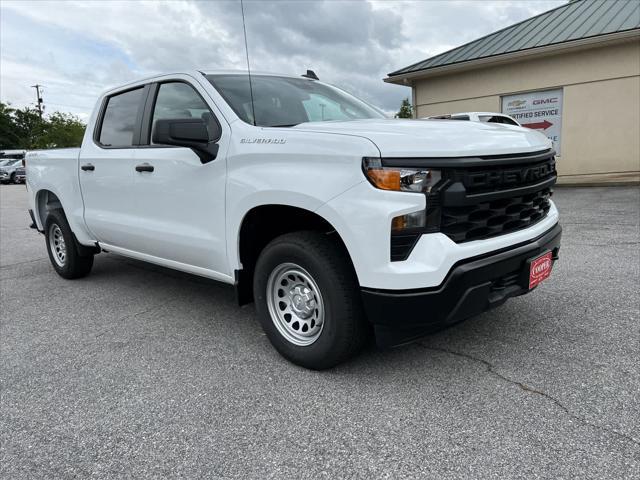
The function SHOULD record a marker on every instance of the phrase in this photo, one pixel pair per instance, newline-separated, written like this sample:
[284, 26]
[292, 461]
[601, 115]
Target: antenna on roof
[246, 49]
[311, 74]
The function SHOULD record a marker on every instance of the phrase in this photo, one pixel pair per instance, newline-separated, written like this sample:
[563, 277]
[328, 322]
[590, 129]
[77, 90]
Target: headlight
[399, 179]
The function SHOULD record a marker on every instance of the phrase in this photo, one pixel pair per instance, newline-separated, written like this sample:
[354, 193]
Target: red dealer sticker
[540, 269]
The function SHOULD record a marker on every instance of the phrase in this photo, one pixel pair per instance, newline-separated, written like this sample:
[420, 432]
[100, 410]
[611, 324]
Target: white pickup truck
[337, 222]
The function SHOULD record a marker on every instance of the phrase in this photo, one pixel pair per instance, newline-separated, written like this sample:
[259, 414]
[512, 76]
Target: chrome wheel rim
[295, 304]
[57, 245]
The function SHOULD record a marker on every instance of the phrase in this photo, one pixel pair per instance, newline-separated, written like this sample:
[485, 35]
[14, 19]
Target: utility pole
[39, 98]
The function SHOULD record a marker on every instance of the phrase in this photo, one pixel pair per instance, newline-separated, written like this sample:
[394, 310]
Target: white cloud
[77, 49]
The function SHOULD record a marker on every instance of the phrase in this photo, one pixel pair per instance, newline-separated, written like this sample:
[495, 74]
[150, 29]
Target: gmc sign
[543, 101]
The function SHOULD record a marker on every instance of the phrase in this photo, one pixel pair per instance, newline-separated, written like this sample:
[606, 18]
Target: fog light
[409, 221]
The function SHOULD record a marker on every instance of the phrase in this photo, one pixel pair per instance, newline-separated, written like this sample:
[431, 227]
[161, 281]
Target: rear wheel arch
[46, 201]
[261, 225]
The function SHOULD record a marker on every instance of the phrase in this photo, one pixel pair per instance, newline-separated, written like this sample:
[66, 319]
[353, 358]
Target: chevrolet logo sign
[509, 176]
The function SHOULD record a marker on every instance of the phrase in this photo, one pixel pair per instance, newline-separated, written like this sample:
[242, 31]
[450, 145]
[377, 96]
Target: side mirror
[187, 132]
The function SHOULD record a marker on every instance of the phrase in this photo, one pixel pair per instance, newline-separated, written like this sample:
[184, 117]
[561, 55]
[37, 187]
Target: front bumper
[472, 286]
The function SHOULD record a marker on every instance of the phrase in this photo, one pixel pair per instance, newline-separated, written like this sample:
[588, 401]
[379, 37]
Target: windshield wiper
[286, 125]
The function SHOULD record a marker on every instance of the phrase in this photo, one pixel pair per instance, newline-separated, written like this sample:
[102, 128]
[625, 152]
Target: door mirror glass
[188, 132]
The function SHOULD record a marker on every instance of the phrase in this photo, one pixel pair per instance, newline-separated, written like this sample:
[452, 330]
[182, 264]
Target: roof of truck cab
[194, 73]
[260, 73]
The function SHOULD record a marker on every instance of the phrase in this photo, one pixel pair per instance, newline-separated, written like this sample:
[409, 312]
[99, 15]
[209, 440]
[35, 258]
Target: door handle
[144, 167]
[88, 167]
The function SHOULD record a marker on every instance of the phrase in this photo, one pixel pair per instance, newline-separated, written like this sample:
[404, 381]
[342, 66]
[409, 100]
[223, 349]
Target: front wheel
[308, 301]
[62, 250]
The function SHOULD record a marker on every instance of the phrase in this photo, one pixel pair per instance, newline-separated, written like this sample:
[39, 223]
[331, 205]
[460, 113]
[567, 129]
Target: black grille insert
[497, 217]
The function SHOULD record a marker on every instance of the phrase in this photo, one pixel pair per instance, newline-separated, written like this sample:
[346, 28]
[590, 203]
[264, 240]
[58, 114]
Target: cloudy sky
[77, 49]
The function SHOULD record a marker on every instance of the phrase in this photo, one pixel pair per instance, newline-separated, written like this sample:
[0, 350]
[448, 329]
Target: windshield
[11, 156]
[285, 101]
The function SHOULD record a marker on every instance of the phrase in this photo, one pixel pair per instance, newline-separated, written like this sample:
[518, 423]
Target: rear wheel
[308, 301]
[62, 248]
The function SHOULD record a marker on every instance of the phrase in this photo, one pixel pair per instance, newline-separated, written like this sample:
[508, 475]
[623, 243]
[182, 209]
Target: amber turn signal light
[416, 180]
[384, 179]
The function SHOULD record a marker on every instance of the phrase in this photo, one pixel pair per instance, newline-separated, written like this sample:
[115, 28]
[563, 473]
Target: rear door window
[119, 120]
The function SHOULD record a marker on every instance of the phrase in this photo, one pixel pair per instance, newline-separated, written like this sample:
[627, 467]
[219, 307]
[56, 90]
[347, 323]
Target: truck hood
[437, 138]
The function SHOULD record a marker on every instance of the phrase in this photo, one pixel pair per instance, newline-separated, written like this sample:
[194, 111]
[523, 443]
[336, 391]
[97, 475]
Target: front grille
[483, 201]
[482, 197]
[488, 219]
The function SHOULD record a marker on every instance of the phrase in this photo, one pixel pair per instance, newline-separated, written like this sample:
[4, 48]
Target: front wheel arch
[261, 225]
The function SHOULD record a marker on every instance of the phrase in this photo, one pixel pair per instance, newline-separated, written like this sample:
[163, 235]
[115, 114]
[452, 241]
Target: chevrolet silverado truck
[337, 222]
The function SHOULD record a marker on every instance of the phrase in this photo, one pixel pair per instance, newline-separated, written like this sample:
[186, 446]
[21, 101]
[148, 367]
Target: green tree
[9, 138]
[406, 110]
[28, 128]
[24, 129]
[62, 130]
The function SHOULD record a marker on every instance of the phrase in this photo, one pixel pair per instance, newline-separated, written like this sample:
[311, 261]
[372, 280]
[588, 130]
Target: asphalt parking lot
[140, 372]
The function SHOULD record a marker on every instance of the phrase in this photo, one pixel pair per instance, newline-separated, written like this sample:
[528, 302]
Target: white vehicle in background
[336, 221]
[489, 117]
[11, 170]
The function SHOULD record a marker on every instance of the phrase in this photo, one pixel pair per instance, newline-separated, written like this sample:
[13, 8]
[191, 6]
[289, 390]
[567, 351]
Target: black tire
[12, 178]
[73, 265]
[344, 329]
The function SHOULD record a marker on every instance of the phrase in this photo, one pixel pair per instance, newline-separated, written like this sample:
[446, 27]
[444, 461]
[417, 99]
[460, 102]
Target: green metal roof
[574, 21]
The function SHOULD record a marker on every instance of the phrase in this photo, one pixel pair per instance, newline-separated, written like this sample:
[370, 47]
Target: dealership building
[572, 72]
